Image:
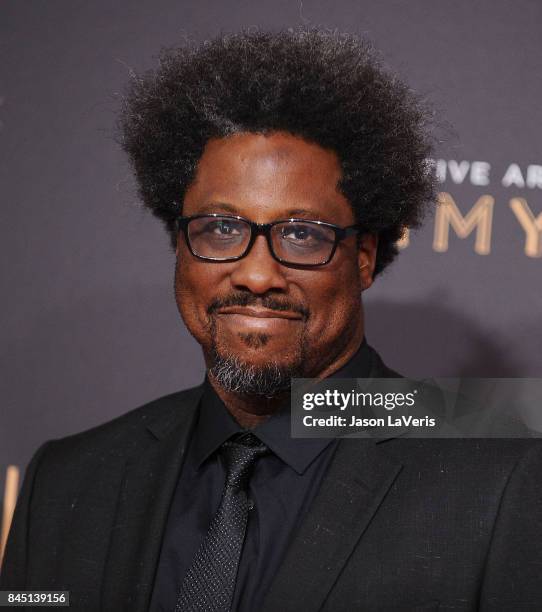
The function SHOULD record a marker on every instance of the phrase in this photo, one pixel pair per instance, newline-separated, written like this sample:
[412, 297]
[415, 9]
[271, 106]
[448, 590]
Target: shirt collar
[216, 425]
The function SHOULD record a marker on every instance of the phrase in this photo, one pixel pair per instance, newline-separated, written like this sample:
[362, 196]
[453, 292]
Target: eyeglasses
[221, 238]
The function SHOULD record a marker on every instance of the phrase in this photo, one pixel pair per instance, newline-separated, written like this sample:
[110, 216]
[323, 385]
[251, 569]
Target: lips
[259, 313]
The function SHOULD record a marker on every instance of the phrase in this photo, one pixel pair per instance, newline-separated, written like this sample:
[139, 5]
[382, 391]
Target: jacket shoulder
[124, 433]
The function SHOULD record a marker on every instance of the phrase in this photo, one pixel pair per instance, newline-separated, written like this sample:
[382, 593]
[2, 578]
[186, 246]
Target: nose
[258, 271]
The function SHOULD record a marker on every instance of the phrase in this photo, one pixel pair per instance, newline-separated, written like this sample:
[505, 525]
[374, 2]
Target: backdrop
[90, 327]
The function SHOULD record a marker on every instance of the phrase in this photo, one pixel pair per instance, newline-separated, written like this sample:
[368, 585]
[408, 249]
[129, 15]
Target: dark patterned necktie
[209, 583]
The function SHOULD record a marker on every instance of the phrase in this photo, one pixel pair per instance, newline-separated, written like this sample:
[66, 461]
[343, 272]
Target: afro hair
[326, 87]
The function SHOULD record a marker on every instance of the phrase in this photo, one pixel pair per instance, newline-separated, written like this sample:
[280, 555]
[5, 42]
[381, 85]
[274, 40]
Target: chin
[243, 372]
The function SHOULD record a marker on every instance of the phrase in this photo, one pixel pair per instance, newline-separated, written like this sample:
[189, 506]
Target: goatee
[267, 380]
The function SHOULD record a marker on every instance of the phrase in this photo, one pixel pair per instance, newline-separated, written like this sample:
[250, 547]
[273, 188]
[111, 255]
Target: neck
[251, 410]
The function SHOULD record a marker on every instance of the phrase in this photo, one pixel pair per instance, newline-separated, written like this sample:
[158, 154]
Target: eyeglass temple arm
[353, 229]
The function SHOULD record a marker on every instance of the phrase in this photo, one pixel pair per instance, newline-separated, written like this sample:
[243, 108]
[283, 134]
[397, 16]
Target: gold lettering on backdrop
[480, 216]
[532, 226]
[11, 489]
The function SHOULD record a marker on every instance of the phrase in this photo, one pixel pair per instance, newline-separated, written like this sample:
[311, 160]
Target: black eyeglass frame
[264, 229]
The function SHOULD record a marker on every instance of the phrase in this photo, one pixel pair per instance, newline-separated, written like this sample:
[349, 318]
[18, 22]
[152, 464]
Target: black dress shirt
[282, 487]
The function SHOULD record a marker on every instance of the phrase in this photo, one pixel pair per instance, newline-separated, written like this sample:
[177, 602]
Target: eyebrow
[212, 207]
[299, 211]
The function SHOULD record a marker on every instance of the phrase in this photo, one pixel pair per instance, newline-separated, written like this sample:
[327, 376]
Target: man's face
[256, 317]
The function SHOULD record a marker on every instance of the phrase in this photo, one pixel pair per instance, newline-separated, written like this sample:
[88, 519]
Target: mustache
[246, 299]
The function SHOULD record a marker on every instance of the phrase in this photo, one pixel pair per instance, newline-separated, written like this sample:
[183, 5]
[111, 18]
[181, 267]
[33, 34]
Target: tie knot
[240, 454]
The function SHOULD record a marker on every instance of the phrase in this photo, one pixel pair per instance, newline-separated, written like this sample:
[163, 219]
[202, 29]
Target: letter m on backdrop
[479, 217]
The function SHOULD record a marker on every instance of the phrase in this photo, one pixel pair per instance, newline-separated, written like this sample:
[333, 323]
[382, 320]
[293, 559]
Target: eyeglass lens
[295, 242]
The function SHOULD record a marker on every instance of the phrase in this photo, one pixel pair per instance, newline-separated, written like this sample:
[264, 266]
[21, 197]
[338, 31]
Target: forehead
[268, 175]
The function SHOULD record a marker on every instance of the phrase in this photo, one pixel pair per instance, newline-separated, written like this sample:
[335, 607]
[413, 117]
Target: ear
[368, 246]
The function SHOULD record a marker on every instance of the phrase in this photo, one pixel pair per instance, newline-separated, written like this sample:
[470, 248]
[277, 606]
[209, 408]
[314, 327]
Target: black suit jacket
[397, 525]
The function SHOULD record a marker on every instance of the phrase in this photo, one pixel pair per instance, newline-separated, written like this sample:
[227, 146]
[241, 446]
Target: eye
[298, 233]
[223, 228]
[303, 234]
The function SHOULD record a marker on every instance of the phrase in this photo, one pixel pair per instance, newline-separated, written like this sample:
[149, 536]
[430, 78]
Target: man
[285, 166]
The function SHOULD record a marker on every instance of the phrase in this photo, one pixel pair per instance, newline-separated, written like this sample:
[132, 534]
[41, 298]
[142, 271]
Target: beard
[269, 380]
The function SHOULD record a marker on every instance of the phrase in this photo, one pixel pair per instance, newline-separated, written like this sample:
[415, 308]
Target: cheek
[336, 302]
[191, 298]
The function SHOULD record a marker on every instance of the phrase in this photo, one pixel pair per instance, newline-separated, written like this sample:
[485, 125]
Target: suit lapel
[354, 486]
[143, 505]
